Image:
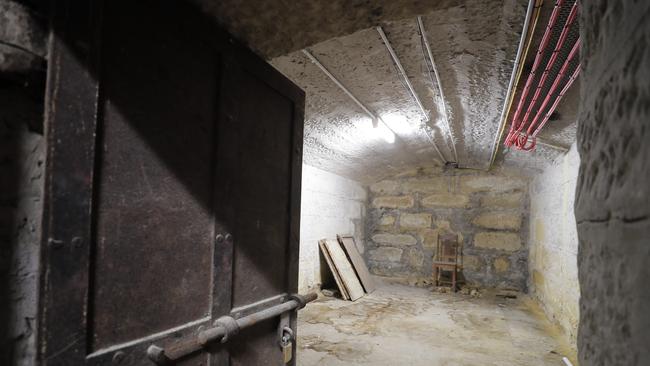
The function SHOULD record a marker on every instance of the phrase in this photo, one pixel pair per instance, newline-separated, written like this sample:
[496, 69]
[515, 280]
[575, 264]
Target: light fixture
[399, 123]
[380, 129]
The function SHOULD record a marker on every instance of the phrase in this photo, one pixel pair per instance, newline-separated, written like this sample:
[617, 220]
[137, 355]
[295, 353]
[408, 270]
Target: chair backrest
[447, 250]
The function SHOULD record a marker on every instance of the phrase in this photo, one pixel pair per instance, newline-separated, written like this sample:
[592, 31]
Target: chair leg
[453, 279]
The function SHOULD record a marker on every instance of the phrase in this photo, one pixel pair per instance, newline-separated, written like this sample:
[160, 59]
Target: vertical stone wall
[553, 257]
[407, 213]
[22, 154]
[613, 194]
[330, 205]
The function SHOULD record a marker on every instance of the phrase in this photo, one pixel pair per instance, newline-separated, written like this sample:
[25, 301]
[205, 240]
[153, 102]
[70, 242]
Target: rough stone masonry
[407, 213]
[22, 155]
[612, 205]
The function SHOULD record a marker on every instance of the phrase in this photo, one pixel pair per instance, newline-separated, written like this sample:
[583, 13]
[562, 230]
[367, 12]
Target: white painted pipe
[339, 84]
[442, 94]
[393, 55]
[375, 120]
[522, 41]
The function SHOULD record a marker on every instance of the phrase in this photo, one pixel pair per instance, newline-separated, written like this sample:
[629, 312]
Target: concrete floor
[401, 325]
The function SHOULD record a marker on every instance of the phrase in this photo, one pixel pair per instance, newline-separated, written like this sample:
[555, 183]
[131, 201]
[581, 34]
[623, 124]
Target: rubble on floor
[404, 325]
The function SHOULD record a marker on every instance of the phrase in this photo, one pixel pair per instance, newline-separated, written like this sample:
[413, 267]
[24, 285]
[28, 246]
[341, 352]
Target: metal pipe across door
[225, 328]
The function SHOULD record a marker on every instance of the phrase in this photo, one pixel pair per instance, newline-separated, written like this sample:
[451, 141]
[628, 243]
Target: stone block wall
[553, 258]
[613, 194]
[22, 155]
[406, 213]
[330, 205]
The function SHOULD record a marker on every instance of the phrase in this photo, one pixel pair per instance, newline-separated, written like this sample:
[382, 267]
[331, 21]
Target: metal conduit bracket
[230, 325]
[300, 299]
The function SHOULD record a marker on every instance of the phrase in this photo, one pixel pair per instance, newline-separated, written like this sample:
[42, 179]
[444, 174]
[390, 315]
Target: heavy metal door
[173, 191]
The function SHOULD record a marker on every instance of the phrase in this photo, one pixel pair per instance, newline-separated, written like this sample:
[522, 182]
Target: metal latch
[225, 328]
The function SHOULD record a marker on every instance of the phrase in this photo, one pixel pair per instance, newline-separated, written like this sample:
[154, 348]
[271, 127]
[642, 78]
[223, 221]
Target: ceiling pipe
[411, 90]
[338, 83]
[402, 72]
[533, 11]
[375, 119]
[425, 41]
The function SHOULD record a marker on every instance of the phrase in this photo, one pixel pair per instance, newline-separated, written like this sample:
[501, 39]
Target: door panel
[256, 141]
[154, 183]
[188, 187]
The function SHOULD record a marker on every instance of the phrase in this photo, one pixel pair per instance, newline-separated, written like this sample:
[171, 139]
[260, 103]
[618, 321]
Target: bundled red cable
[527, 140]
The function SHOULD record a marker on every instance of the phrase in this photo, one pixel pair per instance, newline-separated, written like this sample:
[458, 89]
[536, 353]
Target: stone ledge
[386, 254]
[470, 184]
[393, 202]
[502, 241]
[415, 220]
[446, 200]
[394, 239]
[498, 220]
[504, 200]
[385, 187]
[427, 185]
[501, 264]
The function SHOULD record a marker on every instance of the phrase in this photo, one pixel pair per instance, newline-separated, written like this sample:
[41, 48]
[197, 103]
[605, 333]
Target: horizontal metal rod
[182, 348]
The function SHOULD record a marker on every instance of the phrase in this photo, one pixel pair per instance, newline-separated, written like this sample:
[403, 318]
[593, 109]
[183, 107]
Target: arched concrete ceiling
[473, 44]
[278, 27]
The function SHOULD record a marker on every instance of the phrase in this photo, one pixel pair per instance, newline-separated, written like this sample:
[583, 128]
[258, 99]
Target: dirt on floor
[402, 325]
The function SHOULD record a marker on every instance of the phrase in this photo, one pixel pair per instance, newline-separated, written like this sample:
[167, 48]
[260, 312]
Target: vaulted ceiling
[473, 44]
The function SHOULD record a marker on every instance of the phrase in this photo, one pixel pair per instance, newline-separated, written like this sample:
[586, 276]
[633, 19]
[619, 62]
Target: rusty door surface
[172, 188]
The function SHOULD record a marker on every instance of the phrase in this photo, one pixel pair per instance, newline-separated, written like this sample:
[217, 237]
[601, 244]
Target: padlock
[287, 351]
[286, 343]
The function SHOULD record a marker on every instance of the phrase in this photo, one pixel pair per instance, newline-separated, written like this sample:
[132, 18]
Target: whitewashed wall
[554, 243]
[331, 205]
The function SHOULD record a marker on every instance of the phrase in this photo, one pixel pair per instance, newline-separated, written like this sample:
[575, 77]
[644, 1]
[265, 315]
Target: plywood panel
[344, 267]
[335, 273]
[347, 242]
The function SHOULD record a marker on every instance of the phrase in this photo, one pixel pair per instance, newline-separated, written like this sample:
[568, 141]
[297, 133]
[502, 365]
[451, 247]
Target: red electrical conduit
[557, 100]
[542, 47]
[549, 65]
[522, 139]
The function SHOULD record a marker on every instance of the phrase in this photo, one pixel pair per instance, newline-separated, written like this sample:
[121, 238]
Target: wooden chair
[448, 258]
